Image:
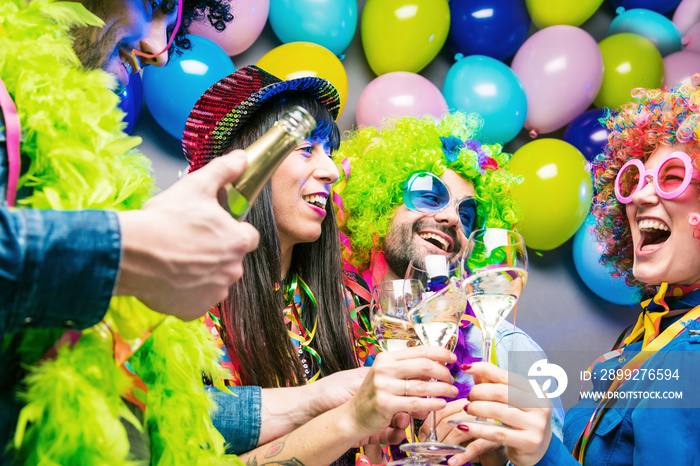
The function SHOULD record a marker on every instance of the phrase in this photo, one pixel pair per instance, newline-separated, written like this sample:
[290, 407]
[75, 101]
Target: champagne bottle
[264, 156]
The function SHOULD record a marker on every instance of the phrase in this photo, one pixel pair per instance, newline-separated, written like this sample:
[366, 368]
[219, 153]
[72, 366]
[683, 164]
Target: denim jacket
[636, 430]
[57, 269]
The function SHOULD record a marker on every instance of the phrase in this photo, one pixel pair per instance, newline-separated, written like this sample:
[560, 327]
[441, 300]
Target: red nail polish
[466, 406]
[463, 427]
[465, 367]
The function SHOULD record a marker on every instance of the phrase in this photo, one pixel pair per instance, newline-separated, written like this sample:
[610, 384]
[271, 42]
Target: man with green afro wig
[382, 162]
[418, 188]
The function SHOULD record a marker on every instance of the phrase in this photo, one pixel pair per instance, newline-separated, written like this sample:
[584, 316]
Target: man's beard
[88, 41]
[400, 247]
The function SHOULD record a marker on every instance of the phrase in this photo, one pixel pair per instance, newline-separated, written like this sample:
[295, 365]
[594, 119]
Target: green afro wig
[382, 160]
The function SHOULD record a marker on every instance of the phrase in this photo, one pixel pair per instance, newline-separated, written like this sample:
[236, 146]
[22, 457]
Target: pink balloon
[399, 94]
[679, 67]
[249, 18]
[561, 68]
[691, 39]
[687, 14]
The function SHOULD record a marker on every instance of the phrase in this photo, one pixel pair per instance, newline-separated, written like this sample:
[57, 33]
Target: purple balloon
[130, 101]
[586, 134]
[495, 28]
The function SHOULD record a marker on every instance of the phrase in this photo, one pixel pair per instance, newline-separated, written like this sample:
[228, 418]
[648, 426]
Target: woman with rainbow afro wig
[382, 160]
[655, 118]
[647, 207]
[377, 164]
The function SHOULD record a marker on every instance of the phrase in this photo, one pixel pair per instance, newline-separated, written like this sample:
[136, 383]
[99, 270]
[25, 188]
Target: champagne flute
[436, 320]
[391, 302]
[495, 266]
[393, 330]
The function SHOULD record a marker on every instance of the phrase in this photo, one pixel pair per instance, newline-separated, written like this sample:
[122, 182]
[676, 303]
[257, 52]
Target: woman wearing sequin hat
[293, 285]
[647, 208]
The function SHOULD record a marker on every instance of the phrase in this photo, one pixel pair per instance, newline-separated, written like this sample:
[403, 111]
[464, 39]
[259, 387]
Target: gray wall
[556, 309]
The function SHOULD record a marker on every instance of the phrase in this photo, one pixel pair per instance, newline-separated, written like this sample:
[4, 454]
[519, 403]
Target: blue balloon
[659, 6]
[172, 91]
[130, 100]
[490, 88]
[330, 23]
[495, 28]
[587, 134]
[597, 277]
[654, 26]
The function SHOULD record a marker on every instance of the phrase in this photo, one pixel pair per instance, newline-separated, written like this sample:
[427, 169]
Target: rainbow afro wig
[378, 162]
[653, 118]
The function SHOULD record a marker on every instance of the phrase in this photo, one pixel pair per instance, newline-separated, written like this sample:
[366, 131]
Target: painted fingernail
[465, 367]
[466, 406]
[463, 428]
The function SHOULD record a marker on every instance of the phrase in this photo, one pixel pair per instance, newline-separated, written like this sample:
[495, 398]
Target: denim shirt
[238, 417]
[57, 269]
[640, 432]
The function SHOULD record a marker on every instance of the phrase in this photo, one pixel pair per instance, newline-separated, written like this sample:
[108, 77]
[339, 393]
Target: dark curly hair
[216, 11]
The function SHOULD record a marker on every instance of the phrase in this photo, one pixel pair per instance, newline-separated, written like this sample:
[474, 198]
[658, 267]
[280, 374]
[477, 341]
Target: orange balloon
[301, 59]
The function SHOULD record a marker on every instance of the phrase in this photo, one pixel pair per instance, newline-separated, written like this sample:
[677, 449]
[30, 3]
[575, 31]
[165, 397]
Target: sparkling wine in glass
[495, 267]
[436, 321]
[391, 302]
[496, 272]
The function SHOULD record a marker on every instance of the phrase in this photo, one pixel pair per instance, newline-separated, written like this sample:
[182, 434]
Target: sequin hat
[226, 106]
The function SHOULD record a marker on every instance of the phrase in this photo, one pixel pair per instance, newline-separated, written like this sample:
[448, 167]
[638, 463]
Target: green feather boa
[79, 157]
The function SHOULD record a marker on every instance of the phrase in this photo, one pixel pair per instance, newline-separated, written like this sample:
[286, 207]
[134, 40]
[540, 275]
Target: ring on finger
[406, 385]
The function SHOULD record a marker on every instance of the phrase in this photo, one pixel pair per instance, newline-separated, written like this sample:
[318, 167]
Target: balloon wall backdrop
[539, 72]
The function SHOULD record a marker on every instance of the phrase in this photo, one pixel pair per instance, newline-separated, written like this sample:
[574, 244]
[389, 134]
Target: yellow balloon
[403, 35]
[629, 61]
[300, 59]
[545, 13]
[556, 192]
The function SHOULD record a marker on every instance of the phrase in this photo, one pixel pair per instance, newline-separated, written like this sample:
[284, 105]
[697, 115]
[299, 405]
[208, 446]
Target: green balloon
[556, 192]
[630, 61]
[545, 13]
[403, 35]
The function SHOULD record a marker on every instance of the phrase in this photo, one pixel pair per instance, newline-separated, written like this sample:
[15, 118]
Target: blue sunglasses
[425, 193]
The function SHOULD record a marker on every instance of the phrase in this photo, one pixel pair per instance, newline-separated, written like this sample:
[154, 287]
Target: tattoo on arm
[275, 449]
